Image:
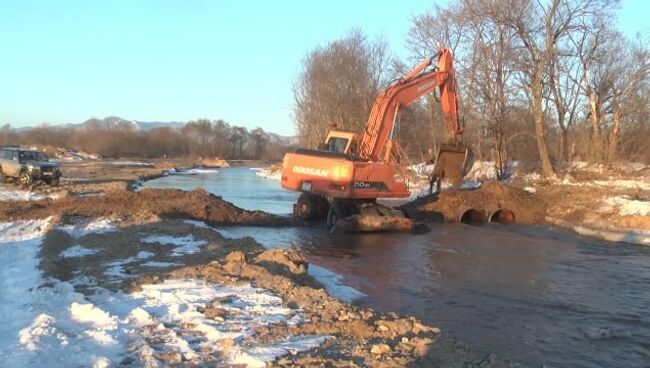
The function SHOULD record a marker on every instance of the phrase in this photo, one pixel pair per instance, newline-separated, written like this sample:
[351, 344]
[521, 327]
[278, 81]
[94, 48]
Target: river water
[532, 295]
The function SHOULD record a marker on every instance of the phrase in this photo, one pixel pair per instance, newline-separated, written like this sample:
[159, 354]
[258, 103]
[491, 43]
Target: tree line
[199, 138]
[543, 81]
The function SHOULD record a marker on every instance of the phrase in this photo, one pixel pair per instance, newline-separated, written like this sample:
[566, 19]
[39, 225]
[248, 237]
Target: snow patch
[77, 251]
[259, 356]
[90, 314]
[622, 184]
[625, 206]
[20, 231]
[422, 169]
[96, 226]
[14, 195]
[183, 244]
[159, 264]
[41, 328]
[530, 189]
[199, 224]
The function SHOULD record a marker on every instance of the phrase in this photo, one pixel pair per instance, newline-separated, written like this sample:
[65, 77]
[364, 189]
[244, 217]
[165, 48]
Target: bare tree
[631, 73]
[337, 86]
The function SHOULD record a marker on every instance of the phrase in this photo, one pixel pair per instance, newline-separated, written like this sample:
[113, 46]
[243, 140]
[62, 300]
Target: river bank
[141, 278]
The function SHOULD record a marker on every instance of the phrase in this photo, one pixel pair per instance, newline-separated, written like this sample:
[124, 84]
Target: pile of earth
[361, 337]
[450, 205]
[143, 206]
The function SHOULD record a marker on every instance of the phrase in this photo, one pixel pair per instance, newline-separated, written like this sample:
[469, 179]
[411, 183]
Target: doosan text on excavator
[341, 181]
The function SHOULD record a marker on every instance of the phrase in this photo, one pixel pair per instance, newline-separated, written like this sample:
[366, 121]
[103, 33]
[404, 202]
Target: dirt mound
[486, 202]
[363, 337]
[146, 204]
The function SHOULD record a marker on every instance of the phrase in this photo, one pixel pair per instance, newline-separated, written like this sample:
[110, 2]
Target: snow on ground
[20, 231]
[115, 269]
[199, 224]
[162, 319]
[614, 183]
[159, 264]
[422, 169]
[10, 194]
[182, 244]
[77, 251]
[625, 206]
[480, 170]
[332, 283]
[83, 228]
[625, 167]
[44, 322]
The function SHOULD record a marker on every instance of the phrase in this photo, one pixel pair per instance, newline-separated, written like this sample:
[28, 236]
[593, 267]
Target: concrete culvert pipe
[502, 216]
[472, 216]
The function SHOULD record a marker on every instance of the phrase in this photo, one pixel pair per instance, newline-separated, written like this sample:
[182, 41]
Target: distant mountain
[151, 125]
[283, 140]
[116, 122]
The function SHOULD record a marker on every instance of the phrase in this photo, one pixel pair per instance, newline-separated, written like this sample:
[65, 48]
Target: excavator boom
[404, 92]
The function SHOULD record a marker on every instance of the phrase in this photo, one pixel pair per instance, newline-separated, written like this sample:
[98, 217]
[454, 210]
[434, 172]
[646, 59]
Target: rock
[293, 260]
[227, 343]
[354, 315]
[235, 262]
[382, 328]
[380, 349]
[421, 345]
[419, 327]
[398, 326]
[215, 313]
[169, 357]
[236, 256]
[343, 316]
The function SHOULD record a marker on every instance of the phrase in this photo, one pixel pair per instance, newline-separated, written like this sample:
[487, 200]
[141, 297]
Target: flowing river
[532, 295]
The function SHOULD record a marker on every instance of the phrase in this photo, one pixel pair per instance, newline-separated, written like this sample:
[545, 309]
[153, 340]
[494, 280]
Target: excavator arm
[375, 143]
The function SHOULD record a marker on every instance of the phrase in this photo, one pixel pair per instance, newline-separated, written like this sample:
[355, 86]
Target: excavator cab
[341, 142]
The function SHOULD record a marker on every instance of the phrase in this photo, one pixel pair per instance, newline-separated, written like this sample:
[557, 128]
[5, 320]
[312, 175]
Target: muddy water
[532, 295]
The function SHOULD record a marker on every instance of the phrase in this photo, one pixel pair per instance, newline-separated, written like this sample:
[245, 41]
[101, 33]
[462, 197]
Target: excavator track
[372, 217]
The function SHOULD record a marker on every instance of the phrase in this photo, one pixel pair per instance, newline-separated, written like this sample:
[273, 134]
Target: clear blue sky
[65, 61]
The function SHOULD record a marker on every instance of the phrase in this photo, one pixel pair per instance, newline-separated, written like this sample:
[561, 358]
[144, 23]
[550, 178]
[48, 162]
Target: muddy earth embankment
[143, 206]
[492, 202]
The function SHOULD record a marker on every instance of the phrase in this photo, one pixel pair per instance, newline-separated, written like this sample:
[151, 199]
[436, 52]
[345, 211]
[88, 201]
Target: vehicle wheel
[53, 182]
[322, 207]
[25, 178]
[305, 207]
[337, 211]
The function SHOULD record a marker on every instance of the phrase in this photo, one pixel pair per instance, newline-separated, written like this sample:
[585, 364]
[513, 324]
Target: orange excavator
[342, 180]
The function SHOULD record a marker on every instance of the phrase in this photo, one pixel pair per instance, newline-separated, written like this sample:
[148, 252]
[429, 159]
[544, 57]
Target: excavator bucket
[453, 162]
[376, 218]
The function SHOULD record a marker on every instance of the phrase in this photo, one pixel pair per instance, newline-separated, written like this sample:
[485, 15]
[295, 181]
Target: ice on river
[333, 285]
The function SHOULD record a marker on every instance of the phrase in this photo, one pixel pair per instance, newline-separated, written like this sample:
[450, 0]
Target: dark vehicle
[26, 166]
